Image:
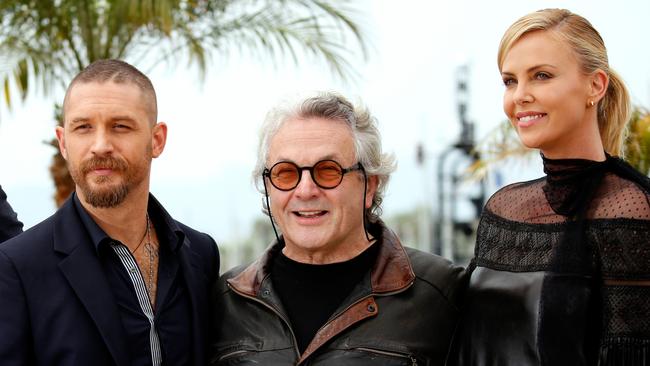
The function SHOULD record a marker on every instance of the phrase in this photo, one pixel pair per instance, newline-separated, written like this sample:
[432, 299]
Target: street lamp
[446, 226]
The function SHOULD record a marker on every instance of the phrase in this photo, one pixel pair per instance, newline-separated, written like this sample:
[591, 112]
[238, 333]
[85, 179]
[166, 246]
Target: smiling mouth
[531, 117]
[309, 214]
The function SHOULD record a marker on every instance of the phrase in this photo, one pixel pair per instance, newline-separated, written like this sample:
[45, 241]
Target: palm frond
[46, 42]
[278, 29]
[502, 144]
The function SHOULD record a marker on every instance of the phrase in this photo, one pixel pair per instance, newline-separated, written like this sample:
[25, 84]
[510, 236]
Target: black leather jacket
[402, 313]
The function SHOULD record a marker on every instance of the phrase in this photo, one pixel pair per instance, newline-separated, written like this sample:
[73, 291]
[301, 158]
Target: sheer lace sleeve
[523, 202]
[620, 198]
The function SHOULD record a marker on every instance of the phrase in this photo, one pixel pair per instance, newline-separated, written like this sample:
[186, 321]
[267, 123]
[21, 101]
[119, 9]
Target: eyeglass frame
[267, 173]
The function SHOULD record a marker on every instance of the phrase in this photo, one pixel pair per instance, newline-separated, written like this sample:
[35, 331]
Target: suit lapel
[84, 273]
[191, 274]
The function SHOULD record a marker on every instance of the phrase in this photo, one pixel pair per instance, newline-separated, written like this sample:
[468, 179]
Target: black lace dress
[561, 273]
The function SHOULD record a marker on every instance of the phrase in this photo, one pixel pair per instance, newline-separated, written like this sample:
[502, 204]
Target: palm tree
[47, 42]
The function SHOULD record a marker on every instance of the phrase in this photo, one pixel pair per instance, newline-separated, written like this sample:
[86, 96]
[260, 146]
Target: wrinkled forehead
[306, 141]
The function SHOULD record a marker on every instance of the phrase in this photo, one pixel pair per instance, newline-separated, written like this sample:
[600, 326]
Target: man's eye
[285, 172]
[82, 127]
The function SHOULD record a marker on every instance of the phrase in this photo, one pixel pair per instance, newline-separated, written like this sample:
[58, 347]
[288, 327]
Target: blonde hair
[614, 108]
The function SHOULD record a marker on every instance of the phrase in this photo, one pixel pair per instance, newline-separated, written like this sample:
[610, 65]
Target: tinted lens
[284, 175]
[328, 173]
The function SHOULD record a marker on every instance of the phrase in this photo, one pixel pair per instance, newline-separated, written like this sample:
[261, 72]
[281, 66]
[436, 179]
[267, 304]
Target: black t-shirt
[311, 293]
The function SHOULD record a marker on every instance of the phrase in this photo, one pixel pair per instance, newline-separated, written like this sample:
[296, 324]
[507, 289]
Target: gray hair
[332, 106]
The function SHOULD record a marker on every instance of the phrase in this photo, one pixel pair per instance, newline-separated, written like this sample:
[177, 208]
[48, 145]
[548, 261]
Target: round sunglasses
[327, 174]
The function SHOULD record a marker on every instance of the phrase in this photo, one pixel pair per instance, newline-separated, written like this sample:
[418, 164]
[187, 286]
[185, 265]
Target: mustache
[106, 162]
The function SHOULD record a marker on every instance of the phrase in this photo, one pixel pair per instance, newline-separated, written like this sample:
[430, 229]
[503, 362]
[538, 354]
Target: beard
[102, 192]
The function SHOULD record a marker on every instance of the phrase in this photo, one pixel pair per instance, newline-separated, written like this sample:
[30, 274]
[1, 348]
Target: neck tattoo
[152, 252]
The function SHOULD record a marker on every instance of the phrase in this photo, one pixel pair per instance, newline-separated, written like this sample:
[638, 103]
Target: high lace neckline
[570, 182]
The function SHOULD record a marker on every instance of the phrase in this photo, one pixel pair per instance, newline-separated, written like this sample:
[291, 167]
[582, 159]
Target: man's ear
[371, 190]
[60, 137]
[158, 139]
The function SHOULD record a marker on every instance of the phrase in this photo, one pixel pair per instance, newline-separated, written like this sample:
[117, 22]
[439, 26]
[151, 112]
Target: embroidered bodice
[565, 259]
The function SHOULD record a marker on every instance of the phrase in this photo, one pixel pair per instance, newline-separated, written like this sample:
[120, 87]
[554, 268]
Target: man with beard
[9, 224]
[110, 278]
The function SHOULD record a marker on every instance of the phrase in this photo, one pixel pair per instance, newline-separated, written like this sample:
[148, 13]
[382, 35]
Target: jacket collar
[392, 270]
[83, 271]
[81, 267]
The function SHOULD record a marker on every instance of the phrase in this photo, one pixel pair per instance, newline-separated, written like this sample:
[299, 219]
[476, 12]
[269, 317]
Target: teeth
[530, 118]
[309, 213]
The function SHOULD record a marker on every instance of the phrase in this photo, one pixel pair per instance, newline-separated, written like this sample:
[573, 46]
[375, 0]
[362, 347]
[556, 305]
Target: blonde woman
[561, 274]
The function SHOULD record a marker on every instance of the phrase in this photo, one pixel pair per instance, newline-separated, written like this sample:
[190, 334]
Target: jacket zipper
[414, 361]
[276, 312]
[619, 282]
[286, 322]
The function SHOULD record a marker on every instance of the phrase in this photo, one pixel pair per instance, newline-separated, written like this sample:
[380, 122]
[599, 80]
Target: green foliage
[637, 143]
[48, 41]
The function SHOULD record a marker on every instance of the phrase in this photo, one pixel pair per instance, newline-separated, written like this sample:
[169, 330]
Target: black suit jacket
[9, 224]
[56, 307]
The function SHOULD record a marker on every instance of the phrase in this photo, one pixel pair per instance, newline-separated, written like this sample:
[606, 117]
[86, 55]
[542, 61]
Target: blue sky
[203, 177]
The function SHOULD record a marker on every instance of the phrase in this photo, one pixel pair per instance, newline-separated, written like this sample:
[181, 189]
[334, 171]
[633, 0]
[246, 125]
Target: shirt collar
[169, 233]
[97, 235]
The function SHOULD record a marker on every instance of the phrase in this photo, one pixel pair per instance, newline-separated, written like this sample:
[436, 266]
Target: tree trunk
[63, 183]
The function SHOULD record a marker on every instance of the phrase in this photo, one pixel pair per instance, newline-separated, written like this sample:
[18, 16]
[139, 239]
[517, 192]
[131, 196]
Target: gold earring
[591, 103]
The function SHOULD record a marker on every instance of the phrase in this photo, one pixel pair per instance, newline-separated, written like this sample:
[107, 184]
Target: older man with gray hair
[337, 287]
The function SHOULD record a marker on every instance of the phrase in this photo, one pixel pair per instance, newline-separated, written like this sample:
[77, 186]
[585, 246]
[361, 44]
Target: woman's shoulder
[517, 189]
[621, 198]
[521, 201]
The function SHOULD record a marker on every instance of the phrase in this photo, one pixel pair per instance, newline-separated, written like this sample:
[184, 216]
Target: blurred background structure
[426, 69]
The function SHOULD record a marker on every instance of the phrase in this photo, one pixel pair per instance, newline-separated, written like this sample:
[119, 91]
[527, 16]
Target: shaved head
[118, 72]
